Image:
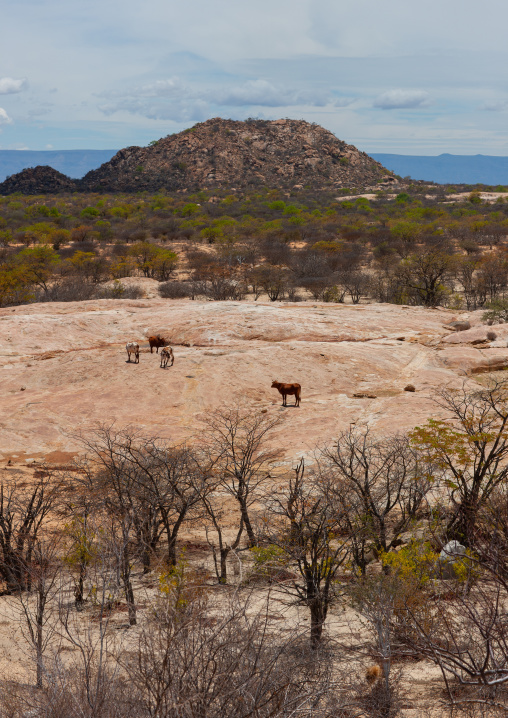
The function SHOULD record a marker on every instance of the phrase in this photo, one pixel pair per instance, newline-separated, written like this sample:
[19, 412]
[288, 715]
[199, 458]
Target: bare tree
[118, 531]
[23, 512]
[177, 485]
[374, 599]
[83, 678]
[355, 283]
[274, 281]
[144, 489]
[90, 681]
[473, 285]
[424, 274]
[490, 539]
[112, 472]
[378, 486]
[305, 524]
[220, 517]
[44, 571]
[235, 441]
[492, 275]
[468, 640]
[256, 280]
[156, 484]
[467, 451]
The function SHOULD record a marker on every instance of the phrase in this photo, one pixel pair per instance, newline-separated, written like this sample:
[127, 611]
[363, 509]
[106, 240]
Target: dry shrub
[194, 662]
[72, 693]
[175, 290]
[72, 290]
[120, 291]
[76, 290]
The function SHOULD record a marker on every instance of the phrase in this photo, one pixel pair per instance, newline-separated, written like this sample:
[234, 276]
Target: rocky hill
[227, 153]
[218, 152]
[37, 180]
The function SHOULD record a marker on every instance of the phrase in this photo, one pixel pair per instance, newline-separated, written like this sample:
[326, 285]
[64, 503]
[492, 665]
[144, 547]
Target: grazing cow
[166, 355]
[157, 342]
[286, 389]
[133, 348]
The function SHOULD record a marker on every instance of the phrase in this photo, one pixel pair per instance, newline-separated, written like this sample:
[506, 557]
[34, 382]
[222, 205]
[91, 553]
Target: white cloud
[178, 110]
[263, 93]
[495, 106]
[172, 99]
[316, 53]
[168, 99]
[162, 88]
[402, 99]
[343, 101]
[4, 117]
[9, 85]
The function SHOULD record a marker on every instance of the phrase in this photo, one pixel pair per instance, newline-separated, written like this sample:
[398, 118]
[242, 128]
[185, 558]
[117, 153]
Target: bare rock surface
[478, 334]
[64, 368]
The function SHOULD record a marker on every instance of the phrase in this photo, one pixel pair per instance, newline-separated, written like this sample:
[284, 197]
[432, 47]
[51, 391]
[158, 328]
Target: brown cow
[285, 389]
[157, 341]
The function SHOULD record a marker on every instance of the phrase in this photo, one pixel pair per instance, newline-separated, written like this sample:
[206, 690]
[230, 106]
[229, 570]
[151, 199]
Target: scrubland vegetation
[216, 579]
[420, 246]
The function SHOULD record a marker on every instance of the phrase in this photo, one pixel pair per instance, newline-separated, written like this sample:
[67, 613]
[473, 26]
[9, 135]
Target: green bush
[267, 558]
[497, 312]
[414, 563]
[89, 212]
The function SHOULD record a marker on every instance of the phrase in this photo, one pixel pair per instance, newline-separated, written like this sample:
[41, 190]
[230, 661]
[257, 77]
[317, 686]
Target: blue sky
[393, 76]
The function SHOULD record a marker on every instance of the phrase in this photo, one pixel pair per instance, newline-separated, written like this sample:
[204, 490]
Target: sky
[396, 76]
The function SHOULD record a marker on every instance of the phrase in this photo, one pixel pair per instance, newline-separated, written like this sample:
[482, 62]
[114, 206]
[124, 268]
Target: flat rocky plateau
[64, 368]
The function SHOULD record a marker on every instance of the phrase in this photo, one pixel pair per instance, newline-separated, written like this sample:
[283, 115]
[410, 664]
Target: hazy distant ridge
[73, 163]
[448, 169]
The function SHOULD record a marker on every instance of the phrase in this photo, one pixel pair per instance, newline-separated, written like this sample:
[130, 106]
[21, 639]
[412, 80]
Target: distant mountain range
[73, 163]
[445, 168]
[448, 169]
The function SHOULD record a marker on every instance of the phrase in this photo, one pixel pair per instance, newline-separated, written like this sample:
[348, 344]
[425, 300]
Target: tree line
[418, 247]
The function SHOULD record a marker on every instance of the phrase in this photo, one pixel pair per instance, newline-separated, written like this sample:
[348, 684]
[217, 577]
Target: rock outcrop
[228, 154]
[38, 180]
[64, 369]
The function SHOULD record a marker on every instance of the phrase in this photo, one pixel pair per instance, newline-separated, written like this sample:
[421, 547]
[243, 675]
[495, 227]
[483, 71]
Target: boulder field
[64, 368]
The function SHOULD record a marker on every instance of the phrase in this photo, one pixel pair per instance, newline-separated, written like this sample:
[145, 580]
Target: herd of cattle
[158, 341]
[167, 356]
